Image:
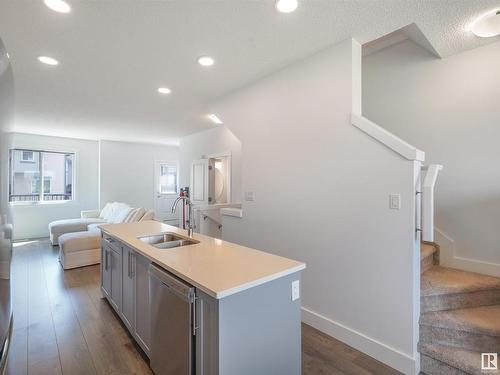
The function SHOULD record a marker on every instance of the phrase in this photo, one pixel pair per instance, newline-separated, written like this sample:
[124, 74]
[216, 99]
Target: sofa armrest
[90, 214]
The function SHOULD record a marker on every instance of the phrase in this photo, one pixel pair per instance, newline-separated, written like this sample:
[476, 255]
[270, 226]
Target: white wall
[31, 221]
[451, 109]
[321, 190]
[127, 171]
[214, 141]
[6, 118]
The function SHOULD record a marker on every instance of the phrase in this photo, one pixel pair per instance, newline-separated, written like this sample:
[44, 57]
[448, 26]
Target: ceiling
[114, 55]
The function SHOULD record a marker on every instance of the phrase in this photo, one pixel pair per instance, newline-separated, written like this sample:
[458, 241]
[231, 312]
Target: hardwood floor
[62, 325]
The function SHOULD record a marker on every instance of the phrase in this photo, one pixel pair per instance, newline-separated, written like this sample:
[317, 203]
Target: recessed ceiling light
[487, 25]
[214, 119]
[206, 61]
[58, 5]
[164, 90]
[48, 60]
[286, 6]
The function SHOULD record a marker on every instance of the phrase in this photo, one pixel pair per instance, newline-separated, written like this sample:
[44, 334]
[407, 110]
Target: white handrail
[388, 139]
[428, 201]
[205, 217]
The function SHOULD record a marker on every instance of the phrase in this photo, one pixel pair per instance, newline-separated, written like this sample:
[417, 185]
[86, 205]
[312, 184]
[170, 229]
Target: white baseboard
[448, 257]
[390, 356]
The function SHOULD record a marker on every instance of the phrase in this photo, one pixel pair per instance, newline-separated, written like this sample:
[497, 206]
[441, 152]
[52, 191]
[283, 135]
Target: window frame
[41, 200]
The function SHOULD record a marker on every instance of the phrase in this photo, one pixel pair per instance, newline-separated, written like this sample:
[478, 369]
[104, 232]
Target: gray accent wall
[259, 330]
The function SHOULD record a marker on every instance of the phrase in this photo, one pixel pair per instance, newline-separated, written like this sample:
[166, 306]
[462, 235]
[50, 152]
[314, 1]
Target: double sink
[167, 240]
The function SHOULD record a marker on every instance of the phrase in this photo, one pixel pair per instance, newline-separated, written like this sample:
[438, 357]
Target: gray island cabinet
[125, 284]
[247, 329]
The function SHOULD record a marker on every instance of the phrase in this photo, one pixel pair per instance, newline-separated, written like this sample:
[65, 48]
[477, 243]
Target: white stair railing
[431, 174]
[205, 217]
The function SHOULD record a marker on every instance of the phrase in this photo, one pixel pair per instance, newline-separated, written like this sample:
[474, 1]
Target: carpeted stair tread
[428, 256]
[426, 250]
[465, 360]
[441, 280]
[481, 320]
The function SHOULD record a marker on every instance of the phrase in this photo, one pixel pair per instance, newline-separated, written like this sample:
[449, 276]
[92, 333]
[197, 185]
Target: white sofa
[112, 213]
[79, 240]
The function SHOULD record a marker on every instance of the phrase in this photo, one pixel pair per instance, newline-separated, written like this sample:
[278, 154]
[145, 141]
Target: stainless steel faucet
[190, 213]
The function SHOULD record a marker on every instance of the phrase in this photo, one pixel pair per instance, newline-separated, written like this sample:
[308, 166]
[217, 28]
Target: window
[27, 156]
[35, 185]
[40, 176]
[168, 179]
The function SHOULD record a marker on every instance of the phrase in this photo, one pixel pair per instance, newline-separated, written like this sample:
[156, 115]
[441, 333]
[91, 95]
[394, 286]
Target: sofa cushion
[130, 214]
[135, 215]
[117, 212]
[90, 214]
[106, 211]
[149, 215]
[79, 241]
[120, 215]
[72, 225]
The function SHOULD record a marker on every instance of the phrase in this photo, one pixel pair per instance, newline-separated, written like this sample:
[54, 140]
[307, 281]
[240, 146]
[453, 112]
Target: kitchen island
[203, 306]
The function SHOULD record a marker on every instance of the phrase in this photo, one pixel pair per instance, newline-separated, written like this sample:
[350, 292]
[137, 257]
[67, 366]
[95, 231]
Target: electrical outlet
[249, 196]
[295, 290]
[395, 201]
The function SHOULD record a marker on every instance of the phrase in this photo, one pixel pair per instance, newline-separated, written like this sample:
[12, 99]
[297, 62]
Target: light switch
[249, 196]
[295, 290]
[395, 201]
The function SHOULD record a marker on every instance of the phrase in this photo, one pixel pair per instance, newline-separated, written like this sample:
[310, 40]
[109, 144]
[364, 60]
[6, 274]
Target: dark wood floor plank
[43, 353]
[19, 274]
[90, 280]
[326, 355]
[124, 351]
[320, 346]
[62, 325]
[374, 367]
[105, 350]
[18, 354]
[73, 350]
[18, 358]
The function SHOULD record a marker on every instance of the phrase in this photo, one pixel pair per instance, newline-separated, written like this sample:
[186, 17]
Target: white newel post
[428, 202]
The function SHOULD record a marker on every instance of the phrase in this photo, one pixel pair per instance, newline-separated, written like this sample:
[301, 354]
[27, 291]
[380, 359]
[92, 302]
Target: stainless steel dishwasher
[172, 323]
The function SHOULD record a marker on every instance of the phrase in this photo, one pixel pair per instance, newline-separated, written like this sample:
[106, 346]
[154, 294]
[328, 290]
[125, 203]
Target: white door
[199, 182]
[166, 191]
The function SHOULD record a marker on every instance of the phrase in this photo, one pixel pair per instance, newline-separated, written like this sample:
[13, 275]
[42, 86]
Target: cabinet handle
[128, 263]
[195, 324]
[106, 260]
[132, 267]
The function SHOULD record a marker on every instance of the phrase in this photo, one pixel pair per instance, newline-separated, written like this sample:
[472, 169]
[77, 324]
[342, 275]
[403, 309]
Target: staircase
[460, 317]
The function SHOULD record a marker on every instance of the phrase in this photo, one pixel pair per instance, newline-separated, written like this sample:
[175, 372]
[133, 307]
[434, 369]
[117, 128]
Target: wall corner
[356, 71]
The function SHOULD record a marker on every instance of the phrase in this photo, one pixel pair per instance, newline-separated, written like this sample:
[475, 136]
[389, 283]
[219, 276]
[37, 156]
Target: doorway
[166, 184]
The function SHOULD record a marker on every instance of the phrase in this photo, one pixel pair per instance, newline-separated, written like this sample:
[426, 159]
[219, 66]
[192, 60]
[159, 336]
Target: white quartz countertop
[216, 267]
